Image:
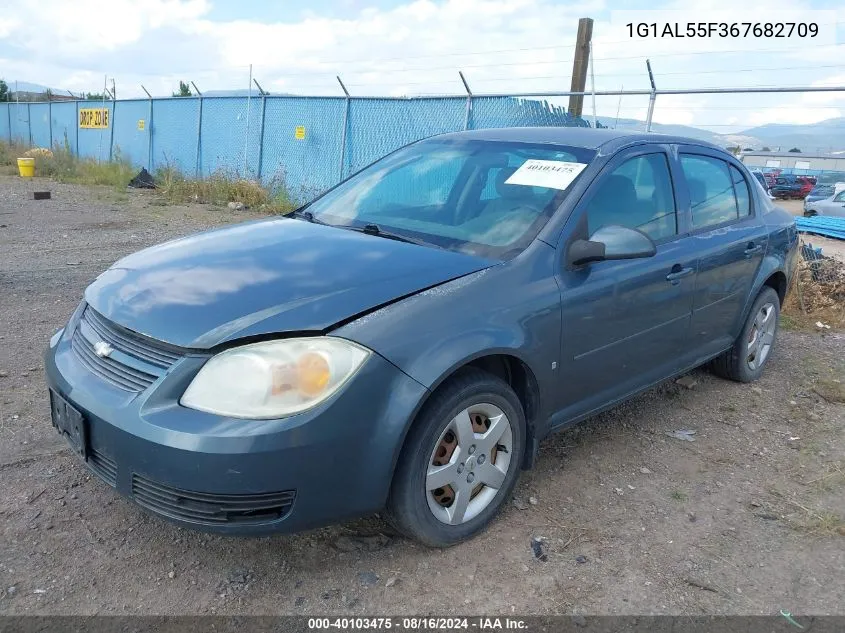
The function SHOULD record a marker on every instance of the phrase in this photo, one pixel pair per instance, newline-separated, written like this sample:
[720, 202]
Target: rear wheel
[460, 461]
[745, 361]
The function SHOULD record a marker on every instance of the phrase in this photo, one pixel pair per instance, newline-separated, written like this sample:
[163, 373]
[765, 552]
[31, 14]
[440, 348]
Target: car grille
[104, 467]
[153, 358]
[211, 509]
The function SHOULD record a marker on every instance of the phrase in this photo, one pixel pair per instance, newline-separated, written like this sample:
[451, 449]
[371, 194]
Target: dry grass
[9, 154]
[818, 295]
[221, 188]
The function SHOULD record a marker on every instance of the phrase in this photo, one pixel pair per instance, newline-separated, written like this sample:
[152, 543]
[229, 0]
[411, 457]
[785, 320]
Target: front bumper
[237, 476]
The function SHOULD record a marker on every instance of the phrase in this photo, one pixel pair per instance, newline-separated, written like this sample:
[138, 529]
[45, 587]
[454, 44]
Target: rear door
[730, 239]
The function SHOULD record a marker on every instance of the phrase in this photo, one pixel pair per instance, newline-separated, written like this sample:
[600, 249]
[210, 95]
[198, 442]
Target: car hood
[264, 277]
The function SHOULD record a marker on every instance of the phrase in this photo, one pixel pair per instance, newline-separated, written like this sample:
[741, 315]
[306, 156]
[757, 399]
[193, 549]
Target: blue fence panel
[4, 122]
[65, 123]
[131, 142]
[309, 165]
[380, 126]
[257, 137]
[20, 122]
[174, 130]
[40, 115]
[94, 142]
[231, 135]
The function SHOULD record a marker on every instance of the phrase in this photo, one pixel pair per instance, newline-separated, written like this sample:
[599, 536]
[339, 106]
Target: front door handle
[753, 249]
[678, 273]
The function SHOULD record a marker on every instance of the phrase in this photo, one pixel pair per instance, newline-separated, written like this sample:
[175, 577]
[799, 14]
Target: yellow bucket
[26, 167]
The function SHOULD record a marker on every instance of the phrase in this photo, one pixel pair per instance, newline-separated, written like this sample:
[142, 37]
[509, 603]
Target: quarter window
[839, 197]
[638, 195]
[711, 191]
[743, 196]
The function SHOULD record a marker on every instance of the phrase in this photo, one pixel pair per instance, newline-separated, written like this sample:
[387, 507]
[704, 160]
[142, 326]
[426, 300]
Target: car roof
[605, 139]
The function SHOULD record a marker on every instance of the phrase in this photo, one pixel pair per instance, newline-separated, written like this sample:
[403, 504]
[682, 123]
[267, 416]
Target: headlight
[275, 378]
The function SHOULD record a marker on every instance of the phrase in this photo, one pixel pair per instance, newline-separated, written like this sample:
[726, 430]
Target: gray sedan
[833, 206]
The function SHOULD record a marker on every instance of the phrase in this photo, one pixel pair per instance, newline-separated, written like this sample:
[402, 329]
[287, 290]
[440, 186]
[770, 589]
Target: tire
[465, 456]
[736, 363]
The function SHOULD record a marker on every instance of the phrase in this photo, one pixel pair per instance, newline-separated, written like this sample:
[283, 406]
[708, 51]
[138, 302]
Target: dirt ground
[745, 519]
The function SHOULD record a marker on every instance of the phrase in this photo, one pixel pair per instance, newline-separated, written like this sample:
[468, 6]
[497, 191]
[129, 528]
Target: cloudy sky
[406, 47]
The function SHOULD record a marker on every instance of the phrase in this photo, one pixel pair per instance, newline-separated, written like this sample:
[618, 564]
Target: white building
[794, 162]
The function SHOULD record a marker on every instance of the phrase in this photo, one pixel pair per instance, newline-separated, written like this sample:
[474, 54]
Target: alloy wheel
[761, 336]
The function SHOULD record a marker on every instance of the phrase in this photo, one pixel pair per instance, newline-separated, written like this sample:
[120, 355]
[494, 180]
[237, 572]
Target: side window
[637, 194]
[839, 197]
[711, 190]
[743, 195]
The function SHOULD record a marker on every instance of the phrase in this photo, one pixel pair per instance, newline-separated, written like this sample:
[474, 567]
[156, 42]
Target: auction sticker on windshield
[553, 174]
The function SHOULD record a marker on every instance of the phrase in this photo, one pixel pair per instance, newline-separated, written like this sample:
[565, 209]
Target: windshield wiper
[308, 216]
[375, 229]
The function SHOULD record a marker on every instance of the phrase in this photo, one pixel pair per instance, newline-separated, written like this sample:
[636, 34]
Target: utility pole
[580, 65]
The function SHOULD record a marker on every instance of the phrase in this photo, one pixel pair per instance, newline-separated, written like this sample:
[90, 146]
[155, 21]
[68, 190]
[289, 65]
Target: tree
[733, 150]
[795, 150]
[748, 149]
[94, 96]
[766, 149]
[184, 90]
[4, 91]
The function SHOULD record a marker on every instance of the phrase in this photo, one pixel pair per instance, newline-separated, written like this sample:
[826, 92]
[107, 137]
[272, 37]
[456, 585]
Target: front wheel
[744, 362]
[460, 460]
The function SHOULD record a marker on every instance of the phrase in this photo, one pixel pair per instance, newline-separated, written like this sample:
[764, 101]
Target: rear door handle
[678, 273]
[753, 250]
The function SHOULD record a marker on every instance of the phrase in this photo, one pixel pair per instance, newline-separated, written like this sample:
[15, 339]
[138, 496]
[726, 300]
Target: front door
[625, 322]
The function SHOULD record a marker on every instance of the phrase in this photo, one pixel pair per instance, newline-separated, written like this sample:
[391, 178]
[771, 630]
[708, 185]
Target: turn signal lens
[314, 374]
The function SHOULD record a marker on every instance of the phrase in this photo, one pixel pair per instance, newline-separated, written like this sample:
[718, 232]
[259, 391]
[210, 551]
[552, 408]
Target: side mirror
[611, 242]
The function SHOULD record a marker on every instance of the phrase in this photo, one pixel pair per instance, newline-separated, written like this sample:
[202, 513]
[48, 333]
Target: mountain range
[825, 136]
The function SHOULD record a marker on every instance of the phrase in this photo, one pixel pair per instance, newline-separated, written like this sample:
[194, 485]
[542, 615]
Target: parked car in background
[771, 176]
[826, 185]
[807, 184]
[403, 343]
[760, 178]
[819, 192]
[787, 187]
[833, 205]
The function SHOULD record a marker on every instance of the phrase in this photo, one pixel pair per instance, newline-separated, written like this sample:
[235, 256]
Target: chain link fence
[307, 144]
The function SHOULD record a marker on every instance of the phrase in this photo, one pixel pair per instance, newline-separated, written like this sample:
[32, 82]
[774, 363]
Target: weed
[679, 495]
[220, 188]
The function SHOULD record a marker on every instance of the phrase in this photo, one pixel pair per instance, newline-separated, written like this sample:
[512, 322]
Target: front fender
[512, 308]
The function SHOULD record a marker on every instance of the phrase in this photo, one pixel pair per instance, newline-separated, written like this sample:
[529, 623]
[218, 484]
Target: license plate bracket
[70, 423]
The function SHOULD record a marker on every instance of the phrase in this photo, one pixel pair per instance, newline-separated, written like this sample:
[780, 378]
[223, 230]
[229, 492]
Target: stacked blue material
[820, 225]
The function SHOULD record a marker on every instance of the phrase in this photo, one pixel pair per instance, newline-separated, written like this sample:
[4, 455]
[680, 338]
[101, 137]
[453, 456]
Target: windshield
[485, 198]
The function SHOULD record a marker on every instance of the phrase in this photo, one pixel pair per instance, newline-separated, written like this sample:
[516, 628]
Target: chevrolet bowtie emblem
[103, 349]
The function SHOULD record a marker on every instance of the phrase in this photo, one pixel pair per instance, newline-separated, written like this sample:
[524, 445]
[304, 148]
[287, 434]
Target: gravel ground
[745, 519]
